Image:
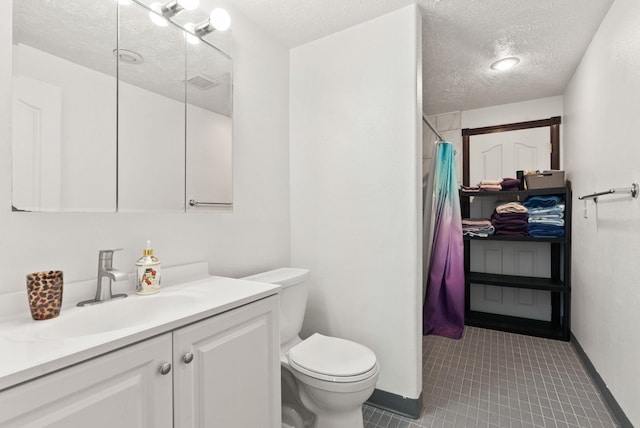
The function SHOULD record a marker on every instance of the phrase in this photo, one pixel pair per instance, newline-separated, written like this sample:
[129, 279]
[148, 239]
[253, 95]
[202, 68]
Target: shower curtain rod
[425, 120]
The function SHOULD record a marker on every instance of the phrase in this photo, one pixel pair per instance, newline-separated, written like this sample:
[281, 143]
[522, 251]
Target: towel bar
[633, 190]
[194, 203]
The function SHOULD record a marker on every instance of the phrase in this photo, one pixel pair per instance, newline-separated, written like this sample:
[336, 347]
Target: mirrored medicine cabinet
[113, 112]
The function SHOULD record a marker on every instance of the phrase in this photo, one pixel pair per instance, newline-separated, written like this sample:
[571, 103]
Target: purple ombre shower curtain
[443, 312]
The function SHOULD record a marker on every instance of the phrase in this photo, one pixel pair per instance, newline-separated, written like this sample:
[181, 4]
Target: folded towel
[491, 187]
[542, 220]
[511, 207]
[509, 216]
[510, 184]
[510, 224]
[482, 232]
[541, 230]
[541, 201]
[545, 216]
[476, 222]
[511, 232]
[511, 228]
[558, 209]
[480, 227]
[490, 182]
[470, 188]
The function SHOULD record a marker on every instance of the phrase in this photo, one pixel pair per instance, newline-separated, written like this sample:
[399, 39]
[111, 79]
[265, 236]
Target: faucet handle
[107, 254]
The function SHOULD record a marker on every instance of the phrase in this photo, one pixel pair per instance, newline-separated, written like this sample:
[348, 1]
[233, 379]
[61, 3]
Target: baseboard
[615, 408]
[409, 407]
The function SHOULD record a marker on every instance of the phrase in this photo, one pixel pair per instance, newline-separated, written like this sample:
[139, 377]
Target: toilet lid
[331, 356]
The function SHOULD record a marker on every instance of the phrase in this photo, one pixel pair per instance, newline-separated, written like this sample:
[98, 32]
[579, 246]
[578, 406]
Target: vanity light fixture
[219, 20]
[174, 7]
[505, 63]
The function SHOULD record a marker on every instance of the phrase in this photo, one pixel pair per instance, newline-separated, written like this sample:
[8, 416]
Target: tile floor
[495, 379]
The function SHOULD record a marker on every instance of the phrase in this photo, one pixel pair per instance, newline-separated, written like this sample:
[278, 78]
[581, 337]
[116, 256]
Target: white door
[123, 389]
[495, 156]
[227, 370]
[36, 169]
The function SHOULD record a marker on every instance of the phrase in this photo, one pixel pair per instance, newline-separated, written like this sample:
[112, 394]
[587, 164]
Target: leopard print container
[44, 290]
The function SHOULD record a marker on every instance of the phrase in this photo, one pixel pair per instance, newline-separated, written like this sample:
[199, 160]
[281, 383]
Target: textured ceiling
[461, 38]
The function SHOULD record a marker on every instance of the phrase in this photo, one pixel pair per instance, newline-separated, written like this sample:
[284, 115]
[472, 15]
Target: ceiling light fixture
[505, 63]
[218, 20]
[128, 56]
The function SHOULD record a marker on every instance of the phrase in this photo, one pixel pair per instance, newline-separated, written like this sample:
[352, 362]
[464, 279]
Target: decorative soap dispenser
[147, 272]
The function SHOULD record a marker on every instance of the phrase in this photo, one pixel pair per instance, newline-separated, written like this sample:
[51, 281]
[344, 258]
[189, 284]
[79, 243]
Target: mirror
[151, 114]
[209, 127]
[64, 106]
[164, 139]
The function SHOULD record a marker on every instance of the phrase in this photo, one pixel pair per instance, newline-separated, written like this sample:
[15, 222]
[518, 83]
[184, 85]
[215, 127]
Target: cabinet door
[234, 377]
[496, 156]
[511, 258]
[121, 389]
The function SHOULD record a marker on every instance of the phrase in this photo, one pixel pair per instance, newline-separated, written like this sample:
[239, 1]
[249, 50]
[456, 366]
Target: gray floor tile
[495, 379]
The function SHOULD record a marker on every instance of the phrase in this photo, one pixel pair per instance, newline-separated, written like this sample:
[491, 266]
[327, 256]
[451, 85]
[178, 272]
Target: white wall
[541, 108]
[253, 237]
[602, 104]
[356, 189]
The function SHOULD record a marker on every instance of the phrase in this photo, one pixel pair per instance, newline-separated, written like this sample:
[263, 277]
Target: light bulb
[157, 19]
[189, 4]
[190, 27]
[220, 19]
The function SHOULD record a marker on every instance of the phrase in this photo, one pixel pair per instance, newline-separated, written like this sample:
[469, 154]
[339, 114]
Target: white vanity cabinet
[123, 389]
[225, 372]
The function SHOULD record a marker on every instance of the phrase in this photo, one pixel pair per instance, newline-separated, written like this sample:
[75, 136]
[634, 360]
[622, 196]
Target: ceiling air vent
[202, 82]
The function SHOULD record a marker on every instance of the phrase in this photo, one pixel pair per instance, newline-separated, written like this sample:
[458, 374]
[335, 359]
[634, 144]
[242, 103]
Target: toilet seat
[333, 359]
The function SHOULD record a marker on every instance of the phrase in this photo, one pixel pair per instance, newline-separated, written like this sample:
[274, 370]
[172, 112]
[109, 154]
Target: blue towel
[541, 201]
[546, 216]
[547, 220]
[558, 209]
[543, 230]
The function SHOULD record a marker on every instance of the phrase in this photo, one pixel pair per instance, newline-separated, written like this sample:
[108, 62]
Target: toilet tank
[293, 297]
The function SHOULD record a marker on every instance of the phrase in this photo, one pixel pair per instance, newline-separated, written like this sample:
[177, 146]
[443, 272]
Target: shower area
[443, 258]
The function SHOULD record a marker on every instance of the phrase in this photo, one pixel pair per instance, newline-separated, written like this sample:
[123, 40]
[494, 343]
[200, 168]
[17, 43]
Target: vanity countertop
[29, 349]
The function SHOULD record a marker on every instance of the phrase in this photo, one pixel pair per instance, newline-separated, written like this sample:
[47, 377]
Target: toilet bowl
[325, 380]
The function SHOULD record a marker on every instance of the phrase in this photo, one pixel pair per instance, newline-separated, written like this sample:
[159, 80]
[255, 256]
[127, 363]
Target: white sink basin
[116, 315]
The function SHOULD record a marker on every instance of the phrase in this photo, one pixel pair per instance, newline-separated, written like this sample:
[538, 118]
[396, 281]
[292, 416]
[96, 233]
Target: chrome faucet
[106, 274]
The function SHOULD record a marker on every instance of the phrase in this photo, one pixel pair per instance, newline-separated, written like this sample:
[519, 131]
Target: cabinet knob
[165, 368]
[188, 357]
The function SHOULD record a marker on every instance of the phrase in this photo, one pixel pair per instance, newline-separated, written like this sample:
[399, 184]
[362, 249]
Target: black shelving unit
[558, 284]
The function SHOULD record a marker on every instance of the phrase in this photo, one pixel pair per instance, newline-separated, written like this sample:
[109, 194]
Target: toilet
[325, 380]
